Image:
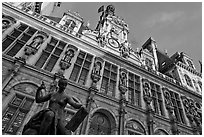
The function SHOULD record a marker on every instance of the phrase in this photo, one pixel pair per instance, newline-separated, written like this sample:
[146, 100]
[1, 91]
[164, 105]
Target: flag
[101, 9]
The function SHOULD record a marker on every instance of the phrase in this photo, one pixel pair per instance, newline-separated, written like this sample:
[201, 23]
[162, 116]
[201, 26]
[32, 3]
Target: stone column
[95, 76]
[192, 115]
[18, 63]
[122, 102]
[170, 109]
[149, 111]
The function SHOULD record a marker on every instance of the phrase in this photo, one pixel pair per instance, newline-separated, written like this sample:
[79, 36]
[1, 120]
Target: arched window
[17, 110]
[134, 128]
[100, 125]
[188, 80]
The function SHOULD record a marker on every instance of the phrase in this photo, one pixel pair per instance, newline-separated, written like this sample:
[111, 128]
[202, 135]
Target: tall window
[178, 111]
[134, 89]
[157, 99]
[188, 80]
[108, 84]
[81, 68]
[17, 39]
[15, 113]
[50, 54]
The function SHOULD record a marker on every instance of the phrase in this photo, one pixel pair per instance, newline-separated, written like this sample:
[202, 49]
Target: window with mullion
[134, 89]
[157, 99]
[50, 54]
[81, 68]
[178, 111]
[109, 79]
[15, 114]
[15, 41]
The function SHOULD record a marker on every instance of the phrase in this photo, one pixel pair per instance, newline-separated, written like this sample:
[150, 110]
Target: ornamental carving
[125, 49]
[37, 41]
[7, 21]
[146, 88]
[167, 98]
[96, 71]
[189, 107]
[123, 80]
[65, 62]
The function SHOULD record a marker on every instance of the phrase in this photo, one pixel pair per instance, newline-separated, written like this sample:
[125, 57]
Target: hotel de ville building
[127, 92]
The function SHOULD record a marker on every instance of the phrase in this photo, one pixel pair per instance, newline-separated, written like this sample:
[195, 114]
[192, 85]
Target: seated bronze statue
[49, 121]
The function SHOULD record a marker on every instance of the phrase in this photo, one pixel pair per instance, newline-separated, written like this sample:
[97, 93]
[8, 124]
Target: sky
[175, 26]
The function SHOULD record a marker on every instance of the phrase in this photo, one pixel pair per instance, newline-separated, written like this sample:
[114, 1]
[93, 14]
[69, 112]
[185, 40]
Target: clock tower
[113, 32]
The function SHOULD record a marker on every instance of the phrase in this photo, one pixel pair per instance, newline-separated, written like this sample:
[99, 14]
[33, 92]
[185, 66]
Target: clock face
[113, 43]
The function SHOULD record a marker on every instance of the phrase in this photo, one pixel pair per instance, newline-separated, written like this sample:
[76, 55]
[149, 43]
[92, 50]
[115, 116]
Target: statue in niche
[168, 99]
[146, 89]
[37, 41]
[186, 105]
[192, 108]
[5, 24]
[123, 79]
[97, 68]
[69, 55]
[49, 121]
[125, 49]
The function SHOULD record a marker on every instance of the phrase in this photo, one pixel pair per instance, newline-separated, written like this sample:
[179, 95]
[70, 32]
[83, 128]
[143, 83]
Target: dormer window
[190, 64]
[188, 80]
[70, 24]
[148, 63]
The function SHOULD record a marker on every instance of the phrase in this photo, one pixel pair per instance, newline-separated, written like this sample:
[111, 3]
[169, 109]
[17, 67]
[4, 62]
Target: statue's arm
[73, 103]
[39, 98]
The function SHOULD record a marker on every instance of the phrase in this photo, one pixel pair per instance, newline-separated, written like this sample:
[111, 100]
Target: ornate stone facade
[123, 95]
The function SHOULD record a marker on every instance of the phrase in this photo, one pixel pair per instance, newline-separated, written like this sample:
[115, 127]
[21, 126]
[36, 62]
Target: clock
[113, 43]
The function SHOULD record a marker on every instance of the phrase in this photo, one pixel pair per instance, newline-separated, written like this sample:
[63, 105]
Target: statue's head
[62, 83]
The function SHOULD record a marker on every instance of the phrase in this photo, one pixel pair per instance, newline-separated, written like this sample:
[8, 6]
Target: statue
[97, 68]
[123, 79]
[168, 99]
[49, 121]
[125, 49]
[69, 55]
[36, 42]
[146, 89]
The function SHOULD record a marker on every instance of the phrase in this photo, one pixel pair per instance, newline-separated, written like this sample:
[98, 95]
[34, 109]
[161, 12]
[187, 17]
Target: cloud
[164, 18]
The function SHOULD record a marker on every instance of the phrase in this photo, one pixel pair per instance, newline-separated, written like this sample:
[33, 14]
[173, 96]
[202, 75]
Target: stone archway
[102, 122]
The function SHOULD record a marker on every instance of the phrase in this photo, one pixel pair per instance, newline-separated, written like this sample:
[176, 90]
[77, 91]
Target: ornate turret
[113, 31]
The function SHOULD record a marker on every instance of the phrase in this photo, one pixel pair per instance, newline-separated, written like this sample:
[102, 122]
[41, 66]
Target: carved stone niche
[185, 102]
[125, 49]
[65, 62]
[33, 47]
[7, 21]
[123, 80]
[167, 97]
[96, 71]
[146, 90]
